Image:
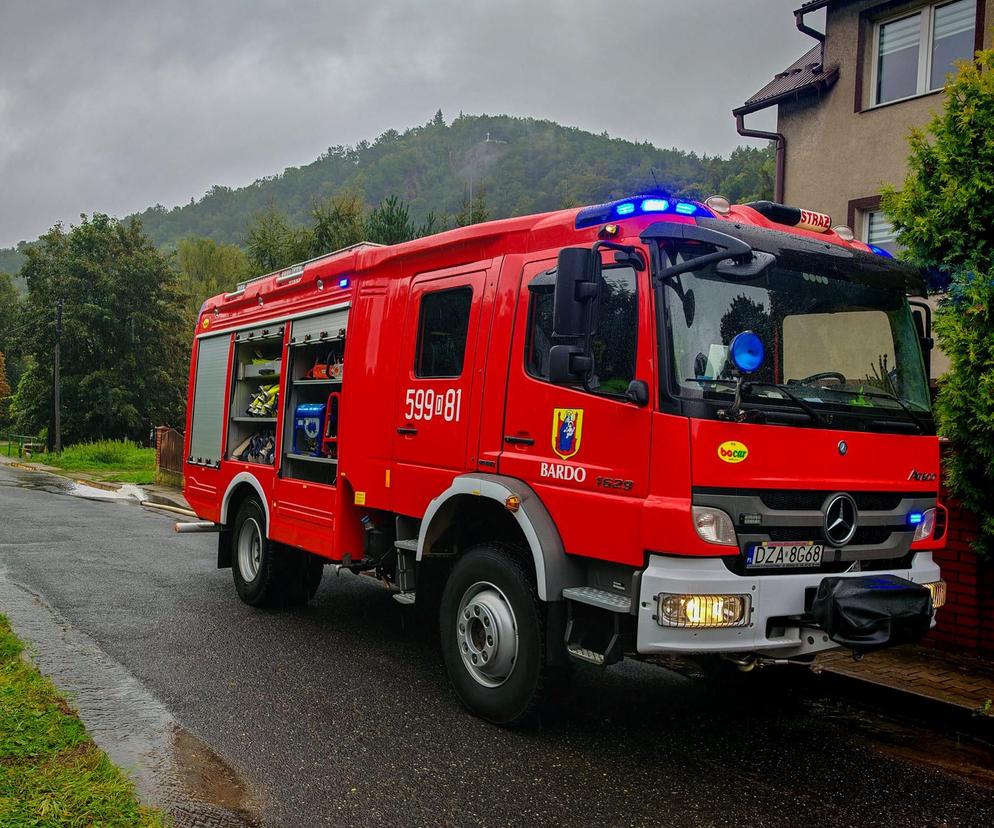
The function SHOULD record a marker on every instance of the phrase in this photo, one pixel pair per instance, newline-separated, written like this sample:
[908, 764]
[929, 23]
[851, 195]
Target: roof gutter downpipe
[740, 127]
[806, 29]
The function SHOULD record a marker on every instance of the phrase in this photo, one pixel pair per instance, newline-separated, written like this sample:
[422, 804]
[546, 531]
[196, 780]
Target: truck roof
[332, 273]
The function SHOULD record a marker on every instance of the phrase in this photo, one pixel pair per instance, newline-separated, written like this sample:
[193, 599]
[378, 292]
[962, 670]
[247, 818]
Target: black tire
[269, 574]
[253, 557]
[512, 694]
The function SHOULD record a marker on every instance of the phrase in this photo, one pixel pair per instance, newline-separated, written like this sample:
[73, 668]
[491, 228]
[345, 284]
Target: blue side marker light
[343, 283]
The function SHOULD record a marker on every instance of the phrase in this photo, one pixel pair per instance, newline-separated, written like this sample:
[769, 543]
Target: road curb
[938, 713]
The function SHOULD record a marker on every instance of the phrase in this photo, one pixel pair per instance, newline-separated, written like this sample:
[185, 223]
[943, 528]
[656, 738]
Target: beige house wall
[835, 154]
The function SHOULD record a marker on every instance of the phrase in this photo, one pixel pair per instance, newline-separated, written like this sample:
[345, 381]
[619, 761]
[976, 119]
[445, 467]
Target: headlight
[714, 526]
[702, 610]
[925, 526]
[937, 589]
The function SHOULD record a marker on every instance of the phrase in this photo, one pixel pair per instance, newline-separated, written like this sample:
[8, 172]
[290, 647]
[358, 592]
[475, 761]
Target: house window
[914, 53]
[879, 232]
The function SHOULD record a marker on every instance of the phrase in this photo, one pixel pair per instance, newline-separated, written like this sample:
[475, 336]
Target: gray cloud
[113, 106]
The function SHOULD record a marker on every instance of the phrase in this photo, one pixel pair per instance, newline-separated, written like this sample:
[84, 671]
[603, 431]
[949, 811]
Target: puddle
[26, 477]
[969, 759]
[172, 769]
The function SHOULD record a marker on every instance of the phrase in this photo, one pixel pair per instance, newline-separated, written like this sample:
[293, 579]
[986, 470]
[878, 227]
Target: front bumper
[772, 596]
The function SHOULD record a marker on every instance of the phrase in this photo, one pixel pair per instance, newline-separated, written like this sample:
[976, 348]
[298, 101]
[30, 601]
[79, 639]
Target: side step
[407, 545]
[599, 598]
[406, 598]
[597, 624]
[583, 654]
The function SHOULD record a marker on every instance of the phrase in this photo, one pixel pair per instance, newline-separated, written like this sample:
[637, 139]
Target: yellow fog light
[699, 611]
[937, 589]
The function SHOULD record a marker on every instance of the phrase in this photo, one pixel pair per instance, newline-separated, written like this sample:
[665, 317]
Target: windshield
[836, 345]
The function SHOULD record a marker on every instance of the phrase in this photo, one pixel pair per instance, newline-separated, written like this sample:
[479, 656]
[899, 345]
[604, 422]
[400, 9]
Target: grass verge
[51, 773]
[115, 461]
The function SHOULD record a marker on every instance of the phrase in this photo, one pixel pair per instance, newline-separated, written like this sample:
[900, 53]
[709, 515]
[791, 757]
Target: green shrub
[944, 214]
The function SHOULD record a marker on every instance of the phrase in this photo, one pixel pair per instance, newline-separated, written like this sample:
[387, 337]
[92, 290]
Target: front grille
[865, 535]
[781, 500]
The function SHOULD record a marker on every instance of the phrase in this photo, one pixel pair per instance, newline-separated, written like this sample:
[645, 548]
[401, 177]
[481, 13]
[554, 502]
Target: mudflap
[872, 612]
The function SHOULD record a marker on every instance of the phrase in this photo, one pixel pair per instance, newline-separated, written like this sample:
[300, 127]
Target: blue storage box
[308, 428]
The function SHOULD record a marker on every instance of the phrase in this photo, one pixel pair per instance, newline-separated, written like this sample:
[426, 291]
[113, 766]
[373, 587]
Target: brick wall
[966, 622]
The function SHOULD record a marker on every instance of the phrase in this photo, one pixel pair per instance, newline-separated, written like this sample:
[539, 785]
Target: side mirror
[638, 393]
[569, 364]
[574, 306]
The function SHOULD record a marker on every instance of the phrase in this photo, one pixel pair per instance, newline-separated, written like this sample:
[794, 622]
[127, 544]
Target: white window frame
[925, 47]
[865, 223]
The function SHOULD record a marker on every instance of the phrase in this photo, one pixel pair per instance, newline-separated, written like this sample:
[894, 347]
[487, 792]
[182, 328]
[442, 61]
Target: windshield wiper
[735, 411]
[884, 395]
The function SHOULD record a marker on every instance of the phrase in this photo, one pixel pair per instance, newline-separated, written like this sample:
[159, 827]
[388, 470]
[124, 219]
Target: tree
[10, 324]
[432, 224]
[338, 222]
[274, 244]
[474, 212]
[125, 342]
[207, 268]
[943, 215]
[4, 388]
[390, 222]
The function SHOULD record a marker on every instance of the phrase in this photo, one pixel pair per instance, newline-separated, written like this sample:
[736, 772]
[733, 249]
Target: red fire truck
[650, 426]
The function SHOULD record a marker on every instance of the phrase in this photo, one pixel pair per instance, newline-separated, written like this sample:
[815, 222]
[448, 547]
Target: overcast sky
[113, 106]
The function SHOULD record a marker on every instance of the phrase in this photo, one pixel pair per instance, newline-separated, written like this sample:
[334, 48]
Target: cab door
[438, 374]
[585, 453]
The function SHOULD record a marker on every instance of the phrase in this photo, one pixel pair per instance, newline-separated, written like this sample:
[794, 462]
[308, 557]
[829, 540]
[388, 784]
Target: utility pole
[57, 380]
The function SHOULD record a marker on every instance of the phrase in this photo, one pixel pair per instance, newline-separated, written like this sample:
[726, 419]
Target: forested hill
[523, 166]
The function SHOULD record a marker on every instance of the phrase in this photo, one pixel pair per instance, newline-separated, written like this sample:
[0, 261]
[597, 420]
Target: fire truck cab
[649, 426]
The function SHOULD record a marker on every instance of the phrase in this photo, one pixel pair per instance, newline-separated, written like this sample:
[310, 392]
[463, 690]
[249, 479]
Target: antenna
[655, 180]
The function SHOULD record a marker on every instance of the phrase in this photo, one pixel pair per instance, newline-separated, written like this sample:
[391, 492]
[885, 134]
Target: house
[846, 107]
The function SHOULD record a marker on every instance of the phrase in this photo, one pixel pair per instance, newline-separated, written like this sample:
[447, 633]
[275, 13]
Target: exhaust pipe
[196, 526]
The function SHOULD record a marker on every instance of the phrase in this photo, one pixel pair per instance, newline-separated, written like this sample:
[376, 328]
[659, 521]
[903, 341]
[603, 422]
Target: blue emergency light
[914, 518]
[636, 206]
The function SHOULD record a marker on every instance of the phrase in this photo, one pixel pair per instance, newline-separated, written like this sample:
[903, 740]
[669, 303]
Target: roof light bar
[638, 205]
[880, 251]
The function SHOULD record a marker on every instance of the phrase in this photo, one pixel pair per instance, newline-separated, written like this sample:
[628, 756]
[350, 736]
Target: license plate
[784, 555]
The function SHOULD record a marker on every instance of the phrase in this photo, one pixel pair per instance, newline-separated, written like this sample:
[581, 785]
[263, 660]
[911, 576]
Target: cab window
[614, 342]
[442, 329]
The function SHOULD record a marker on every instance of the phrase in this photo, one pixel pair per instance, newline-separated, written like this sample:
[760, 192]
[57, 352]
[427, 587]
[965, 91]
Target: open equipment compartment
[255, 395]
[316, 357]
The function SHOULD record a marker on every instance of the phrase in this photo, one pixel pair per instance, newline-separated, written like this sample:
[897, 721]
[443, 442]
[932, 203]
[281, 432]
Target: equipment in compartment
[308, 428]
[264, 402]
[329, 439]
[328, 368]
[259, 448]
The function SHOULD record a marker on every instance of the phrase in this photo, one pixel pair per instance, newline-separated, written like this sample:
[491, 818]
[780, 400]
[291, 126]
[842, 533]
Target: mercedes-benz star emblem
[843, 447]
[840, 519]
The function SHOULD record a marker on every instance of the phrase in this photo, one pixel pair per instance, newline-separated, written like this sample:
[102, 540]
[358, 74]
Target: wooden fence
[168, 456]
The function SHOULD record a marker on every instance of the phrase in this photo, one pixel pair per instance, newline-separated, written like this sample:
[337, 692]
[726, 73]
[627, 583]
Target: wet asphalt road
[340, 714]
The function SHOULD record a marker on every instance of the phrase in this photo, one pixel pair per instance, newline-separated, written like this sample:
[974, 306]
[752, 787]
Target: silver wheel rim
[249, 549]
[487, 634]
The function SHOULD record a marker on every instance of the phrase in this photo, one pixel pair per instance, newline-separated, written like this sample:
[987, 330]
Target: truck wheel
[492, 627]
[254, 564]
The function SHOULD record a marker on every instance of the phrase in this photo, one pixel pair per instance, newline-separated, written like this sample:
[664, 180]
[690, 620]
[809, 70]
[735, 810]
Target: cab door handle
[510, 439]
[407, 430]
